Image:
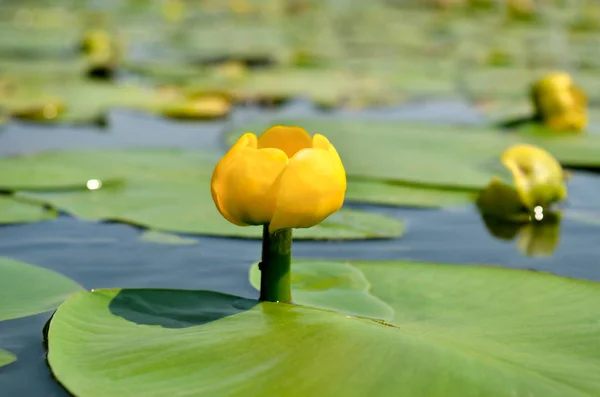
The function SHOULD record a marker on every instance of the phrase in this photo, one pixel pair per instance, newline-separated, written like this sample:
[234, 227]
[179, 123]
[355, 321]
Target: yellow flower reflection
[559, 104]
[283, 178]
[538, 238]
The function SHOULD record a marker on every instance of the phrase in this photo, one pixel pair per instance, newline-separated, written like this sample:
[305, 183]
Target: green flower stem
[275, 279]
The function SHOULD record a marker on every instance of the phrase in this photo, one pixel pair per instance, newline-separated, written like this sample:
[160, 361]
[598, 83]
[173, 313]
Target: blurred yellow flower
[560, 104]
[283, 178]
[173, 10]
[538, 181]
[521, 9]
[96, 40]
[201, 107]
[538, 177]
[232, 70]
[240, 6]
[47, 110]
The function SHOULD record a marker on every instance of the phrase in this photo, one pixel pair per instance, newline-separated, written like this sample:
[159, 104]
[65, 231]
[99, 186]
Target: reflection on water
[537, 238]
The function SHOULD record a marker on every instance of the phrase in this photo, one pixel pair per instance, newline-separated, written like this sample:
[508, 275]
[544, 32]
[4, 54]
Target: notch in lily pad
[282, 180]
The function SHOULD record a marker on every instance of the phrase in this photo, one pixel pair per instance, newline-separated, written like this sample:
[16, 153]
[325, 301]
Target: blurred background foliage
[196, 58]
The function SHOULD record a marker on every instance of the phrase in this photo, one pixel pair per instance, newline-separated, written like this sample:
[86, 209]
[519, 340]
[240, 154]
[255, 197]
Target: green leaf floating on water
[17, 211]
[389, 193]
[448, 331]
[83, 101]
[26, 290]
[164, 189]
[152, 236]
[187, 207]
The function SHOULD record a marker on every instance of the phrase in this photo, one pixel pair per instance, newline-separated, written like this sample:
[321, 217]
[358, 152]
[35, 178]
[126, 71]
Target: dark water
[112, 255]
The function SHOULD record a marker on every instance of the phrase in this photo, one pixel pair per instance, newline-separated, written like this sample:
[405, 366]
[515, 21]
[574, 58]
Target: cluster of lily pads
[326, 328]
[198, 58]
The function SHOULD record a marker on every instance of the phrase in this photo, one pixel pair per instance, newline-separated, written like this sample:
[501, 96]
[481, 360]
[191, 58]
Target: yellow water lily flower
[173, 10]
[538, 177]
[538, 180]
[560, 104]
[283, 178]
[521, 9]
[232, 71]
[96, 40]
[48, 110]
[202, 107]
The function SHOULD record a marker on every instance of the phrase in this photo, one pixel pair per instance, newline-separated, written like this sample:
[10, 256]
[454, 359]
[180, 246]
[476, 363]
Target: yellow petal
[311, 188]
[321, 142]
[217, 183]
[579, 97]
[568, 121]
[288, 139]
[245, 182]
[537, 175]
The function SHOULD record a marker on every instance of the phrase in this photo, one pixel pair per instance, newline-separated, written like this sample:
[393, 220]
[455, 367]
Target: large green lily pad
[447, 331]
[187, 207]
[452, 156]
[163, 189]
[17, 211]
[26, 290]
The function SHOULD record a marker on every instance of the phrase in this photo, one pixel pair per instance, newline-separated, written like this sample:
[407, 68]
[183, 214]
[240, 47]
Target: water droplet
[94, 184]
